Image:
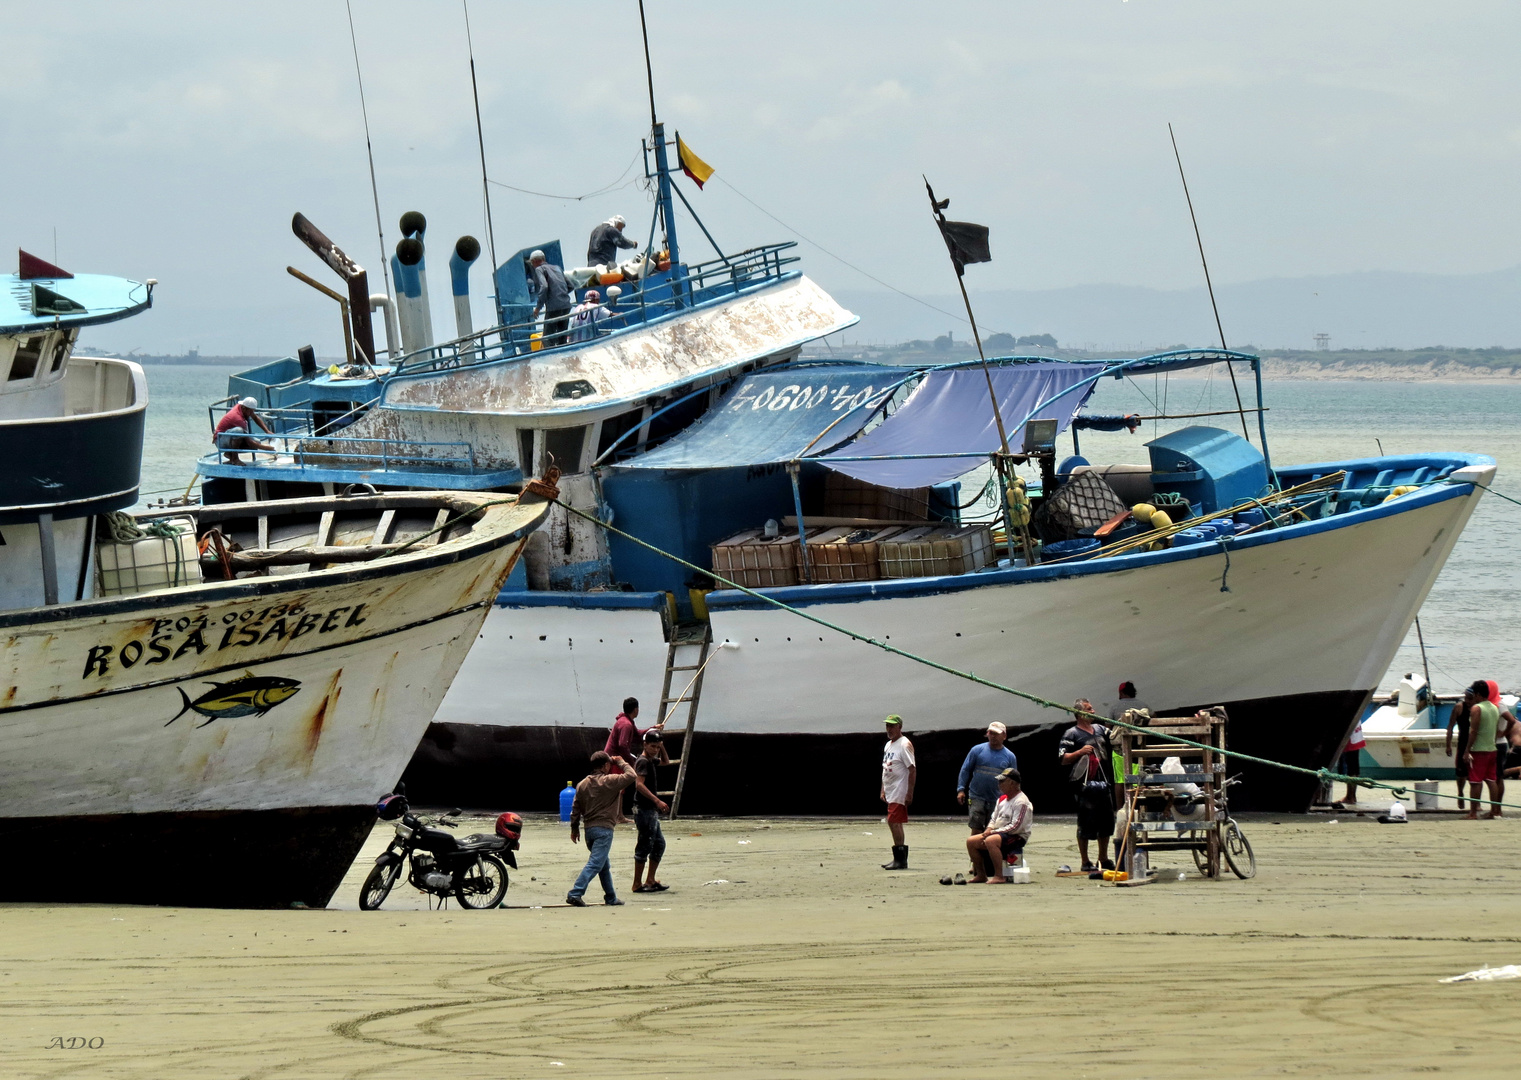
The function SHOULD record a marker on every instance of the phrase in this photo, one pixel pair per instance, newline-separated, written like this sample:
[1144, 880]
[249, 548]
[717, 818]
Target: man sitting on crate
[1003, 841]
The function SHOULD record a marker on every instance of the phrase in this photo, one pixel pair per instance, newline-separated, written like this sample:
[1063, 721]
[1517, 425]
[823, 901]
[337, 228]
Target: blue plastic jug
[567, 797]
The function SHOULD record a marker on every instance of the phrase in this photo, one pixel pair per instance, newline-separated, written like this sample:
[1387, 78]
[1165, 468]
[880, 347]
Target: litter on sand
[717, 881]
[744, 841]
[1488, 974]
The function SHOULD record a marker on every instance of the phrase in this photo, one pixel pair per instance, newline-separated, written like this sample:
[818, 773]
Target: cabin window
[575, 388]
[525, 451]
[330, 416]
[61, 344]
[28, 352]
[615, 428]
[565, 444]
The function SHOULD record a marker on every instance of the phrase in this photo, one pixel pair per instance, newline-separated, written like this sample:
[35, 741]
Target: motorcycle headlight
[403, 831]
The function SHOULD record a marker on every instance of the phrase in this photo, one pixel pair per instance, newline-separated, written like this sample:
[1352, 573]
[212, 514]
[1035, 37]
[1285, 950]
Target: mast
[662, 163]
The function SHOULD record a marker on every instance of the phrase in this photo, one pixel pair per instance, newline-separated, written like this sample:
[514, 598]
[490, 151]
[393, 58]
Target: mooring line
[1324, 775]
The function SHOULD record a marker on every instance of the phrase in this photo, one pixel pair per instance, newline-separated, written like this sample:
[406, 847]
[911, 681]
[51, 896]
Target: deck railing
[340, 451]
[685, 288]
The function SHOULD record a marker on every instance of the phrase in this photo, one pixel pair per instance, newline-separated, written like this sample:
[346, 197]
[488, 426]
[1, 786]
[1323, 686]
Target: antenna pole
[385, 273]
[649, 75]
[1199, 240]
[480, 139]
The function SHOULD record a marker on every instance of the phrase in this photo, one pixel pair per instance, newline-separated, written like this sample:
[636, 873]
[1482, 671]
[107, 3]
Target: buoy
[1142, 512]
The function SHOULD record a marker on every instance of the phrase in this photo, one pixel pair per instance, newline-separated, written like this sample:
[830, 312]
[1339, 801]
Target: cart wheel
[1238, 853]
[1198, 859]
[1212, 854]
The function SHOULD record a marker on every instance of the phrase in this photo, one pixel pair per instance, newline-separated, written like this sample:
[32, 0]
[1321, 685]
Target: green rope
[1489, 489]
[1320, 774]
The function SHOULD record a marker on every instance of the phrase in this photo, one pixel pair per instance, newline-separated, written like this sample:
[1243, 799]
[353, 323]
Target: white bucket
[1018, 875]
[1426, 795]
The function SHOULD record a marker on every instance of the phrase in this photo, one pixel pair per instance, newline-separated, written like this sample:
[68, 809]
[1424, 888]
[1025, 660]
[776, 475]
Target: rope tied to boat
[1324, 775]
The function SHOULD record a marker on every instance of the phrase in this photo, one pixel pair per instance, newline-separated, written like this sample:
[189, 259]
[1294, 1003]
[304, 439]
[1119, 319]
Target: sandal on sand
[1088, 868]
[960, 879]
[641, 888]
[946, 880]
[656, 887]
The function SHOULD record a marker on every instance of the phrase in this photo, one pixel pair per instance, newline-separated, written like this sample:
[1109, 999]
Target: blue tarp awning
[778, 416]
[950, 413]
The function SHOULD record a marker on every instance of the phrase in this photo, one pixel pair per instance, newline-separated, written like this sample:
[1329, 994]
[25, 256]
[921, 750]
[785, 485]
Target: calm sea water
[1468, 618]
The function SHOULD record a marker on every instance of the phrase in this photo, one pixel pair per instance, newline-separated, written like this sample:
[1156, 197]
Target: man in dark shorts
[1002, 842]
[1083, 750]
[1458, 719]
[647, 809]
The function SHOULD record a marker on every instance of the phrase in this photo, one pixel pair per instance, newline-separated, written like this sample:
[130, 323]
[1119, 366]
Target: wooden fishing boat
[202, 705]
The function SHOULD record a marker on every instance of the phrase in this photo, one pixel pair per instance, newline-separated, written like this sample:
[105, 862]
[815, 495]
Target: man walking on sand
[647, 809]
[899, 774]
[596, 805]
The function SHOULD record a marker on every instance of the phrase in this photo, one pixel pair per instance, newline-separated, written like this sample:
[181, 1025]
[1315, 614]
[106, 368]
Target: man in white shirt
[899, 774]
[1003, 841]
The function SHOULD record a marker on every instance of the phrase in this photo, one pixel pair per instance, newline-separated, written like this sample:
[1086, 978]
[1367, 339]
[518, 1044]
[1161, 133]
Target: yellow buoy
[1142, 512]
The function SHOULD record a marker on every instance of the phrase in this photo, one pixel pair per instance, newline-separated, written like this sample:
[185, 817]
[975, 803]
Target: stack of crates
[936, 550]
[755, 561]
[847, 497]
[846, 553]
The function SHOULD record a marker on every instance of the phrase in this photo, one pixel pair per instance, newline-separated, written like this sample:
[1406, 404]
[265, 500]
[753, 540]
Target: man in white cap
[977, 785]
[587, 314]
[234, 431]
[606, 239]
[553, 298]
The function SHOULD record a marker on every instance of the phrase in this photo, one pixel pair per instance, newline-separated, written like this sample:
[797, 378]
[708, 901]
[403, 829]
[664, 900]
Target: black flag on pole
[966, 242]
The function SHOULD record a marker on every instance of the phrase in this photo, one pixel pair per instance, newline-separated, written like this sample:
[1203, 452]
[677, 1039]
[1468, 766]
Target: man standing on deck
[1083, 750]
[606, 239]
[553, 299]
[977, 785]
[596, 805]
[899, 774]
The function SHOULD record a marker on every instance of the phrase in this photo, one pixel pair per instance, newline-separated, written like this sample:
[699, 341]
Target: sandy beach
[781, 949]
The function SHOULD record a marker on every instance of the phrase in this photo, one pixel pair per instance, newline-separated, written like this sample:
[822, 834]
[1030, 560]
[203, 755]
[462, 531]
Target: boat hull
[1291, 631]
[184, 733]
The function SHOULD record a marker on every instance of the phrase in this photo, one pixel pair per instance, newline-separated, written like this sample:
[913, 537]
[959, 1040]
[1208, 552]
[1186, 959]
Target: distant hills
[1376, 310]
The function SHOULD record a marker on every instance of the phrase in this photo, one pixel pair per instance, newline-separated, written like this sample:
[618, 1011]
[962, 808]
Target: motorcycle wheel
[378, 886]
[483, 885]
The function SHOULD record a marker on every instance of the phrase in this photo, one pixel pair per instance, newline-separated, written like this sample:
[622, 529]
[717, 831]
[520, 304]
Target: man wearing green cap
[898, 776]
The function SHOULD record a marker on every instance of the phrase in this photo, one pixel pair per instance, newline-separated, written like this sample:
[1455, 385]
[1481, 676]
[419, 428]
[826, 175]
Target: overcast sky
[174, 140]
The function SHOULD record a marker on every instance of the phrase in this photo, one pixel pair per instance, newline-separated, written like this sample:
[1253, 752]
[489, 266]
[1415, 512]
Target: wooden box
[845, 553]
[847, 497]
[933, 551]
[752, 560]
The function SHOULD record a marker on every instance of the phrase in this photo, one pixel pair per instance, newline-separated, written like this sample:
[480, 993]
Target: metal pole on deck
[805, 572]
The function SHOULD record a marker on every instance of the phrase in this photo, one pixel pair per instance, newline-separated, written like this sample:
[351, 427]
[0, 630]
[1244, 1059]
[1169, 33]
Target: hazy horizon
[175, 142]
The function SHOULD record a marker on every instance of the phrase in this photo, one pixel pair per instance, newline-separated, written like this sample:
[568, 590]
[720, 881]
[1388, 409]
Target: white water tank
[1410, 694]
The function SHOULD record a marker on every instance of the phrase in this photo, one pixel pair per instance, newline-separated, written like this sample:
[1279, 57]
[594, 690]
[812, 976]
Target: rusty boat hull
[223, 743]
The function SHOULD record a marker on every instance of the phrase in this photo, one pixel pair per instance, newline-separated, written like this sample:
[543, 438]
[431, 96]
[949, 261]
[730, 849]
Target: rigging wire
[385, 272]
[615, 185]
[864, 273]
[480, 138]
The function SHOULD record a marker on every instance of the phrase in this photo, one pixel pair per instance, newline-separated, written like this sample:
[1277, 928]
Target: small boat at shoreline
[208, 700]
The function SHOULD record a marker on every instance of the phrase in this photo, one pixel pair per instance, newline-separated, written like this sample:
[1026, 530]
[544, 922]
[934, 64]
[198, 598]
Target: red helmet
[510, 826]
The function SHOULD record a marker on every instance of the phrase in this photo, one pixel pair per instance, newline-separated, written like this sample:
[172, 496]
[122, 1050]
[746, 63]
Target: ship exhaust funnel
[413, 226]
[410, 310]
[466, 251]
[354, 276]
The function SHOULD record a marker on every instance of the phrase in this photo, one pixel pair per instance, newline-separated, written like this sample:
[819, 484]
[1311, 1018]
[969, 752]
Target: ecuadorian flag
[698, 169]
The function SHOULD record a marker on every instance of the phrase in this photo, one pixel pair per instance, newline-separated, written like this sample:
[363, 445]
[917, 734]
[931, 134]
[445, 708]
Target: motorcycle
[472, 869]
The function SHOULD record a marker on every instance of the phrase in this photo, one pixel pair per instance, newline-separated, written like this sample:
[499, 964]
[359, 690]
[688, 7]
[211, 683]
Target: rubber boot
[900, 858]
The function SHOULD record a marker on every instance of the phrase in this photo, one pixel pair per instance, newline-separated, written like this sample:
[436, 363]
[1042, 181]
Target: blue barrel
[1069, 548]
[567, 798]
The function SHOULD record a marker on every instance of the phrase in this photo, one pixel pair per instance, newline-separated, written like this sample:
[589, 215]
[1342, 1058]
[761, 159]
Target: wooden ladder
[684, 640]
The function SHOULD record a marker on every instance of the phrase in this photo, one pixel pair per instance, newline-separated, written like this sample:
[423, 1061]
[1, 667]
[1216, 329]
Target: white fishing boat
[683, 418]
[207, 701]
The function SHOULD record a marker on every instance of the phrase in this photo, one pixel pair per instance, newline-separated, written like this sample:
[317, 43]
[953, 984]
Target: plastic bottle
[567, 797]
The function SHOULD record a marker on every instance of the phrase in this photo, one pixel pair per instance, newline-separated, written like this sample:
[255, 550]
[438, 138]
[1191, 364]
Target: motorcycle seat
[482, 842]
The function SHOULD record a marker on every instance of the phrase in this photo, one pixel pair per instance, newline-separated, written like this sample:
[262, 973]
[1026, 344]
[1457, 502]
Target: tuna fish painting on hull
[252, 695]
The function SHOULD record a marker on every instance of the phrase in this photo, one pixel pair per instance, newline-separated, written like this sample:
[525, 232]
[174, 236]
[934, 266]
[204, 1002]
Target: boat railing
[297, 421]
[686, 288]
[337, 450]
